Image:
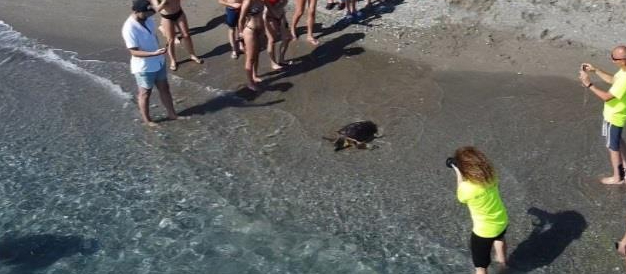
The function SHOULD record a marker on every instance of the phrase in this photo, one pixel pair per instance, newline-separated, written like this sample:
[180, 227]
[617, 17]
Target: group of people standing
[248, 22]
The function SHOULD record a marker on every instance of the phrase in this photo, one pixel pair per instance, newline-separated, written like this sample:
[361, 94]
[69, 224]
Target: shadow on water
[551, 235]
[213, 23]
[240, 99]
[30, 253]
[328, 52]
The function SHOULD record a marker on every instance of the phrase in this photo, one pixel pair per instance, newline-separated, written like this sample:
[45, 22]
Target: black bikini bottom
[173, 16]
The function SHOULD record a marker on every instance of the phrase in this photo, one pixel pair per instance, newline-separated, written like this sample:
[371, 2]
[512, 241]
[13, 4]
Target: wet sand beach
[248, 185]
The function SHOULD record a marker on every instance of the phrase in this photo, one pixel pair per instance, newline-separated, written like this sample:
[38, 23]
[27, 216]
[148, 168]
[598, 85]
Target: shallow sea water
[249, 186]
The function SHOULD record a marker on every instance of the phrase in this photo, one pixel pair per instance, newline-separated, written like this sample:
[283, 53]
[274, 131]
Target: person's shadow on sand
[240, 99]
[370, 14]
[31, 253]
[213, 23]
[328, 52]
[551, 235]
[375, 10]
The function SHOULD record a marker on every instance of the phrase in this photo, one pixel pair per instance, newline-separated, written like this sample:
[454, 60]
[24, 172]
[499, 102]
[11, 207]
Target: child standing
[233, 8]
[477, 186]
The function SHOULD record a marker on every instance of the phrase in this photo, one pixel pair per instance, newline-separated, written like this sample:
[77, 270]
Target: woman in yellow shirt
[478, 188]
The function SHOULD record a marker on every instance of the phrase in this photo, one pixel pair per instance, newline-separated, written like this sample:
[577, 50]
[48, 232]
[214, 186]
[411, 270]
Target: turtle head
[341, 143]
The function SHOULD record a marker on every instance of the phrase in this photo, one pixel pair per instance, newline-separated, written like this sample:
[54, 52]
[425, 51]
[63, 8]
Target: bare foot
[313, 41]
[286, 64]
[253, 87]
[257, 80]
[196, 59]
[176, 117]
[501, 267]
[173, 66]
[276, 67]
[611, 181]
[151, 124]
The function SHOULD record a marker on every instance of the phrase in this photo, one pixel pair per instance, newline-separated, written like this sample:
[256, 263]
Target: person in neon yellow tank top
[614, 110]
[477, 186]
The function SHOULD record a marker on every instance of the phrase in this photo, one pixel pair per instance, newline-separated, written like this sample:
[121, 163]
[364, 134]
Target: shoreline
[432, 61]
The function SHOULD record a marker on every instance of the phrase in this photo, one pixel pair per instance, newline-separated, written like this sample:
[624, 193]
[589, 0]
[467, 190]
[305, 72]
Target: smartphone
[450, 162]
[616, 245]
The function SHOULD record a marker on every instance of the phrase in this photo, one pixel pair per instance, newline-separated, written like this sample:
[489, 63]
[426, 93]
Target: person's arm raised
[606, 77]
[602, 94]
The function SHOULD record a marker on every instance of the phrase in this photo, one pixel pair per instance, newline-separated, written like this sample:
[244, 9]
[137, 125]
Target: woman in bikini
[172, 17]
[276, 27]
[251, 26]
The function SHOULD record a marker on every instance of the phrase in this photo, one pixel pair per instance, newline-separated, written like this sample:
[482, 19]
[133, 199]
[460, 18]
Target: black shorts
[481, 249]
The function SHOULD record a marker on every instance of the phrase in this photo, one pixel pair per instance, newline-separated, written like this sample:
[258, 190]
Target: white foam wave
[14, 40]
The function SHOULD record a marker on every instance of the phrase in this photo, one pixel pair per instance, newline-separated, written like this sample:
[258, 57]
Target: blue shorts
[613, 135]
[147, 80]
[232, 17]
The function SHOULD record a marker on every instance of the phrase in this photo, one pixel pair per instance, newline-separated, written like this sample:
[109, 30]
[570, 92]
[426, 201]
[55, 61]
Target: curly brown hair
[474, 165]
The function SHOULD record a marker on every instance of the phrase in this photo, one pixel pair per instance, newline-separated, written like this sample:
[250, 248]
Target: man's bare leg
[166, 99]
[616, 159]
[143, 100]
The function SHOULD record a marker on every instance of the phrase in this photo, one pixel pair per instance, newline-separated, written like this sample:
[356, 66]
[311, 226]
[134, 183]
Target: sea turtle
[355, 134]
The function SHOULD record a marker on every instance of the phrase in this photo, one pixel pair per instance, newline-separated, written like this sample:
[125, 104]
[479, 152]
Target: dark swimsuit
[252, 12]
[173, 16]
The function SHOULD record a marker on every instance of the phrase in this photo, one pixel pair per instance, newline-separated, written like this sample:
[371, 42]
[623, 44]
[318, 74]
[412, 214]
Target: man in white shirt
[147, 62]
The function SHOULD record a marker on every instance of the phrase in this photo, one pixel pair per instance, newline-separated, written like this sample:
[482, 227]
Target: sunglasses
[617, 59]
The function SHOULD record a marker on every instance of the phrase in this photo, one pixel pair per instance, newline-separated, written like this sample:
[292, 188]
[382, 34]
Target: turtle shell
[362, 131]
